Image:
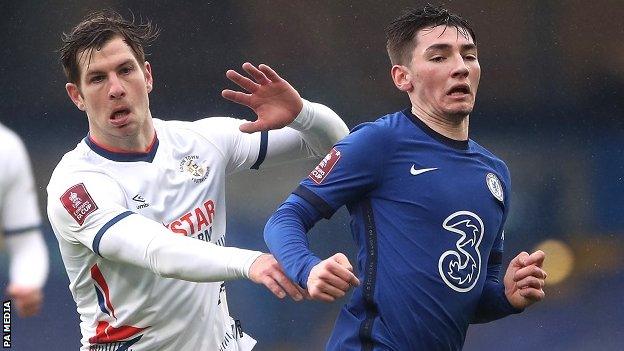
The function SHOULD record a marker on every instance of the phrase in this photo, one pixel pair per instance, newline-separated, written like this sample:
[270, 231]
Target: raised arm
[274, 100]
[277, 105]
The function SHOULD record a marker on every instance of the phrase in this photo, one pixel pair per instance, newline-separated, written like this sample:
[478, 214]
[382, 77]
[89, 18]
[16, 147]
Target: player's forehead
[112, 53]
[441, 36]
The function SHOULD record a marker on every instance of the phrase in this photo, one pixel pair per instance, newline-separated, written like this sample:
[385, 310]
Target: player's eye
[126, 70]
[96, 79]
[470, 57]
[437, 58]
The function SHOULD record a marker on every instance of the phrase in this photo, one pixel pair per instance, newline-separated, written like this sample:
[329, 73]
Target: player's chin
[459, 111]
[127, 130]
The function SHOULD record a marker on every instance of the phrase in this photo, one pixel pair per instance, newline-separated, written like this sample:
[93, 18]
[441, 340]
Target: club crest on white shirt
[495, 186]
[196, 171]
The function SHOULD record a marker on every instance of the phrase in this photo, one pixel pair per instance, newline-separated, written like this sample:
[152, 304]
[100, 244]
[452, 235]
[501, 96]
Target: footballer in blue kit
[428, 207]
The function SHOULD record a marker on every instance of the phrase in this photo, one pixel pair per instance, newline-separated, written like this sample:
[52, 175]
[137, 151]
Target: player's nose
[116, 89]
[460, 69]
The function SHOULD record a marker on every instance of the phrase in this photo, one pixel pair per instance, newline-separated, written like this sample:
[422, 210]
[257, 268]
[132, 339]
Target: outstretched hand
[524, 279]
[274, 100]
[331, 278]
[266, 271]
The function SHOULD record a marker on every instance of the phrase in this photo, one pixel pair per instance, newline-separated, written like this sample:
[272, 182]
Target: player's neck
[450, 127]
[140, 144]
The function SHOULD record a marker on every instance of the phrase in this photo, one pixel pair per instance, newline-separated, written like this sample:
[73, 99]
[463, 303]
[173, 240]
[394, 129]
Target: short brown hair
[400, 32]
[95, 30]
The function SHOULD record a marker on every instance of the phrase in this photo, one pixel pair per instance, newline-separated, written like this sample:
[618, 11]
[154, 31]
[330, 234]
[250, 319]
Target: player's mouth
[120, 117]
[459, 91]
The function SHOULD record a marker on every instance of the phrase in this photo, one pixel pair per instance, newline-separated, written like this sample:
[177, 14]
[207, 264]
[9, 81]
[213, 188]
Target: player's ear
[74, 94]
[149, 79]
[401, 78]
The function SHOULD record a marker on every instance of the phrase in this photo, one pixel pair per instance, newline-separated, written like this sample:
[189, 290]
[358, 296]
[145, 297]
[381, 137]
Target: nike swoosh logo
[415, 171]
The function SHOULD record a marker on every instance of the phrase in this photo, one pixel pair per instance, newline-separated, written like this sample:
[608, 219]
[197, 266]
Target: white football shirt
[115, 216]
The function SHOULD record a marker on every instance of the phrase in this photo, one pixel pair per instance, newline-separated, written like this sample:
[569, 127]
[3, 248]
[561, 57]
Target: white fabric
[321, 127]
[29, 259]
[18, 199]
[19, 214]
[152, 246]
[180, 190]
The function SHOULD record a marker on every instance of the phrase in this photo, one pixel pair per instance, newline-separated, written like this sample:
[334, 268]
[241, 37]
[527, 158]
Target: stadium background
[549, 104]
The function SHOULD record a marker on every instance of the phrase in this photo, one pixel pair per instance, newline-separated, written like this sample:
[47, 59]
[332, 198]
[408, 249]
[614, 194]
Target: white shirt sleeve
[313, 132]
[81, 204]
[18, 197]
[91, 211]
[29, 259]
[20, 220]
[145, 243]
[320, 127]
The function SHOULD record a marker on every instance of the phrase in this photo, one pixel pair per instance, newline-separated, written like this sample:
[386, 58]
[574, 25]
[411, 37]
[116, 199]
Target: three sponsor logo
[460, 266]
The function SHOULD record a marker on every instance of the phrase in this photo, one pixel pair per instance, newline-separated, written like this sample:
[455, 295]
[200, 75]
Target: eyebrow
[442, 47]
[97, 72]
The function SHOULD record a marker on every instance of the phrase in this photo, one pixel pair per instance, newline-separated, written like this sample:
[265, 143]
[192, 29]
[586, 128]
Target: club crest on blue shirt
[495, 186]
[194, 170]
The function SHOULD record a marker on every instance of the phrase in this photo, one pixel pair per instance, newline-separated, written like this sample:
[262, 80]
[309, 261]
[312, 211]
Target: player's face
[444, 72]
[113, 91]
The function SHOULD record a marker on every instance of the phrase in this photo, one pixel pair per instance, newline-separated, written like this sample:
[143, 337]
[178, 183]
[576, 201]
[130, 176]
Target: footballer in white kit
[96, 197]
[138, 207]
[20, 223]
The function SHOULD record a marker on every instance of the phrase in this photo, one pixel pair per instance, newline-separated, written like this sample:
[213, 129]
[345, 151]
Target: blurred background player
[20, 222]
[428, 207]
[140, 200]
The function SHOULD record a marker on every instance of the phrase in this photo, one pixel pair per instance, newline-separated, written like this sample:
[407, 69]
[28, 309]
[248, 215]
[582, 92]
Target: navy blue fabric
[100, 233]
[123, 156]
[493, 303]
[291, 222]
[435, 222]
[9, 232]
[264, 142]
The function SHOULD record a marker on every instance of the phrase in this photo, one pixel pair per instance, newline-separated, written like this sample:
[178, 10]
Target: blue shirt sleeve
[285, 235]
[493, 303]
[346, 174]
[350, 171]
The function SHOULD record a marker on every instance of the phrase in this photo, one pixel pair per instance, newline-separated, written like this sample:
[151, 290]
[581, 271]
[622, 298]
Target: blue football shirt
[427, 214]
